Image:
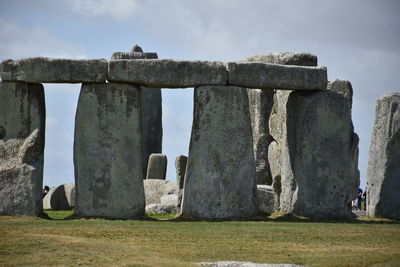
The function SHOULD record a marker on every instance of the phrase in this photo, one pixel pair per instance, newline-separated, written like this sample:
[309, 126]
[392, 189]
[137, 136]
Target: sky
[356, 40]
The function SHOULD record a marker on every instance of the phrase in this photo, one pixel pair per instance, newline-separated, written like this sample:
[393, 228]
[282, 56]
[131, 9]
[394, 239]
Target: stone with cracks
[107, 152]
[313, 182]
[167, 73]
[276, 76]
[54, 70]
[220, 177]
[383, 175]
[22, 125]
[261, 103]
[157, 167]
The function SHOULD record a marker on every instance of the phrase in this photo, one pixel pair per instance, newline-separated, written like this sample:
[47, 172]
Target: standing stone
[107, 152]
[383, 175]
[220, 177]
[22, 125]
[180, 165]
[342, 87]
[151, 104]
[157, 168]
[266, 198]
[318, 174]
[261, 102]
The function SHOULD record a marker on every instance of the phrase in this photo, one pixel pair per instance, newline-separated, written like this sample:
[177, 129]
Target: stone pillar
[157, 167]
[22, 130]
[261, 103]
[151, 117]
[107, 152]
[317, 151]
[180, 166]
[220, 177]
[383, 175]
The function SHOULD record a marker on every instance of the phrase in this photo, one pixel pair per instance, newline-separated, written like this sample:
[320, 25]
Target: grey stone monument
[22, 125]
[314, 183]
[107, 152]
[151, 117]
[157, 167]
[220, 177]
[383, 175]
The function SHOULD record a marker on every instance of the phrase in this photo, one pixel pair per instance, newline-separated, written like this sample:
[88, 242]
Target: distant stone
[167, 73]
[244, 264]
[342, 87]
[286, 58]
[180, 166]
[157, 167]
[137, 48]
[155, 189]
[266, 198]
[383, 175]
[313, 182]
[161, 208]
[60, 198]
[54, 70]
[22, 122]
[275, 76]
[107, 152]
[47, 198]
[220, 177]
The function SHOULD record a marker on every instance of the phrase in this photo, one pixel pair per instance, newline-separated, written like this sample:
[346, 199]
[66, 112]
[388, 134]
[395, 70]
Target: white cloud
[18, 42]
[118, 9]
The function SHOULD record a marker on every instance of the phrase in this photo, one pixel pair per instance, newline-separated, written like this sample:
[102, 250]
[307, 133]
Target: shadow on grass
[70, 215]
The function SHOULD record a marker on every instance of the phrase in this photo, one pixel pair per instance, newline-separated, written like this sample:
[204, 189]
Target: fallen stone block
[220, 177]
[275, 76]
[22, 122]
[383, 174]
[155, 189]
[157, 167]
[54, 70]
[167, 73]
[107, 152]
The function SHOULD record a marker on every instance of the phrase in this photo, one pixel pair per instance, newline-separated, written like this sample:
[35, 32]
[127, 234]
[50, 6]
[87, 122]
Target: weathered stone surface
[342, 87]
[151, 117]
[54, 70]
[286, 58]
[383, 175]
[244, 264]
[151, 101]
[275, 76]
[157, 167]
[266, 198]
[167, 73]
[155, 189]
[315, 183]
[180, 166]
[22, 125]
[69, 190]
[161, 208]
[107, 152]
[260, 104]
[220, 175]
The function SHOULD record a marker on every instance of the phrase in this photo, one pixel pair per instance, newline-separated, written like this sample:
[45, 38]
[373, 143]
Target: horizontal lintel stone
[274, 76]
[54, 70]
[167, 73]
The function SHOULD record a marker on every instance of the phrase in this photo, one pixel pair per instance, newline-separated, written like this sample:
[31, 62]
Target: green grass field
[158, 241]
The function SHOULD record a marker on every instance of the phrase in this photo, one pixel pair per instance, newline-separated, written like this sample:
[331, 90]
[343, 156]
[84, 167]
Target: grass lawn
[160, 242]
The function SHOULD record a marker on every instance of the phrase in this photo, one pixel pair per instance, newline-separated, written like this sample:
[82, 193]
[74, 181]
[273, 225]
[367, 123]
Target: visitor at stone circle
[359, 198]
[45, 190]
